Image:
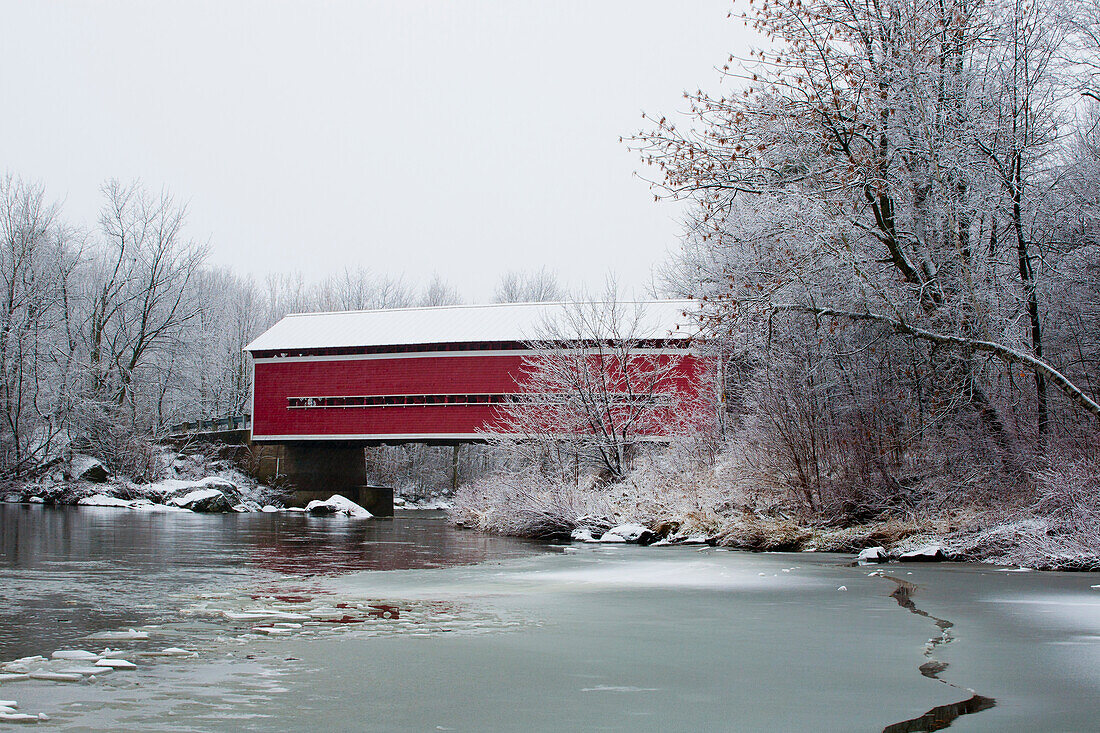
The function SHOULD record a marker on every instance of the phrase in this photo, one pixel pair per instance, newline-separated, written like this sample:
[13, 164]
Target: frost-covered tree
[37, 260]
[887, 165]
[594, 386]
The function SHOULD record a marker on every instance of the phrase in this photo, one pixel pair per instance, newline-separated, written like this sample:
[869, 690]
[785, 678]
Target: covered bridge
[327, 384]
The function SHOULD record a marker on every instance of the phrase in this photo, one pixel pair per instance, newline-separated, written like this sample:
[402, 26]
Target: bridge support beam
[319, 470]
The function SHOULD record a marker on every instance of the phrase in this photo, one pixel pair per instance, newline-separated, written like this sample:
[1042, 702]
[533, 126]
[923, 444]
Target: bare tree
[539, 286]
[439, 292]
[596, 386]
[139, 295]
[36, 351]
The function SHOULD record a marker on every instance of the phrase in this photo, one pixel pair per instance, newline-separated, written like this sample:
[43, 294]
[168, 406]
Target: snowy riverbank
[191, 482]
[650, 511]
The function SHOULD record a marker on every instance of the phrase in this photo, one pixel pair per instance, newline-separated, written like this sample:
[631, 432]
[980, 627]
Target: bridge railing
[215, 425]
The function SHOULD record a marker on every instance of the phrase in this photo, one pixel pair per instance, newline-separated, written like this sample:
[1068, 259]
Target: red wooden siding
[278, 381]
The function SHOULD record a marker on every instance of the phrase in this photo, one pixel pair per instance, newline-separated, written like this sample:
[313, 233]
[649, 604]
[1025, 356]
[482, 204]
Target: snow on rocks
[633, 533]
[582, 534]
[872, 555]
[87, 468]
[268, 508]
[337, 504]
[928, 553]
[210, 500]
[36, 500]
[104, 500]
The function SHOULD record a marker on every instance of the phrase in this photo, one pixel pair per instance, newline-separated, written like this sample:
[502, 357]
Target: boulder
[203, 500]
[632, 533]
[928, 553]
[337, 504]
[872, 555]
[86, 468]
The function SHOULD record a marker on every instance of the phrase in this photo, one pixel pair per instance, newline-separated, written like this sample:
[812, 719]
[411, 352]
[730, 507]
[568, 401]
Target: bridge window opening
[453, 400]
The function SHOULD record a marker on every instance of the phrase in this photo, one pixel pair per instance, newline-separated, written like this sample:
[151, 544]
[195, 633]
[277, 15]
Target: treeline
[896, 236]
[111, 332]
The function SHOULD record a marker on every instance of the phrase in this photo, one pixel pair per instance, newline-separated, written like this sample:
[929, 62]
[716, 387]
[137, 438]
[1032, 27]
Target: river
[289, 622]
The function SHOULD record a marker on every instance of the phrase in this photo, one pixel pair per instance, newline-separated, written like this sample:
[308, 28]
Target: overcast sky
[405, 136]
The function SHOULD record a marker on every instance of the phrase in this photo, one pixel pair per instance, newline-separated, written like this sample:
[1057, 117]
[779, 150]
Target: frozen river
[286, 622]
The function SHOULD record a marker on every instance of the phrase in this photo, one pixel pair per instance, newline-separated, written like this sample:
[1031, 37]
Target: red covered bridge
[327, 384]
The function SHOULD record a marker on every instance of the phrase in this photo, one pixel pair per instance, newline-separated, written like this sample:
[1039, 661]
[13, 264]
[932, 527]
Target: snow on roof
[454, 324]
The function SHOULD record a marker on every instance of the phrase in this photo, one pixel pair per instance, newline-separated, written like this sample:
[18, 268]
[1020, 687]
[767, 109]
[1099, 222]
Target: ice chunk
[74, 654]
[36, 500]
[843, 587]
[270, 630]
[174, 651]
[85, 671]
[116, 664]
[9, 704]
[128, 634]
[264, 613]
[269, 508]
[56, 676]
[18, 718]
[337, 504]
[24, 661]
[13, 676]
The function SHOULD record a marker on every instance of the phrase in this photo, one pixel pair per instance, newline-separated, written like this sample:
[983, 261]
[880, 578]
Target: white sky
[404, 136]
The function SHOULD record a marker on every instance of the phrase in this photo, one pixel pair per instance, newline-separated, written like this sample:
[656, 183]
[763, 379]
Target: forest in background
[111, 332]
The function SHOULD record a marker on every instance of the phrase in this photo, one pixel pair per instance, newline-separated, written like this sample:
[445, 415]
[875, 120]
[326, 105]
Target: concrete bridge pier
[319, 470]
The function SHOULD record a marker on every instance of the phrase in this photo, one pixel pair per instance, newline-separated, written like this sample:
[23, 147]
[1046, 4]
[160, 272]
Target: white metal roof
[455, 324]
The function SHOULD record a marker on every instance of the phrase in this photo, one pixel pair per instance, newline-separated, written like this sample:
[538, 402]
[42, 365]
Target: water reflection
[67, 572]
